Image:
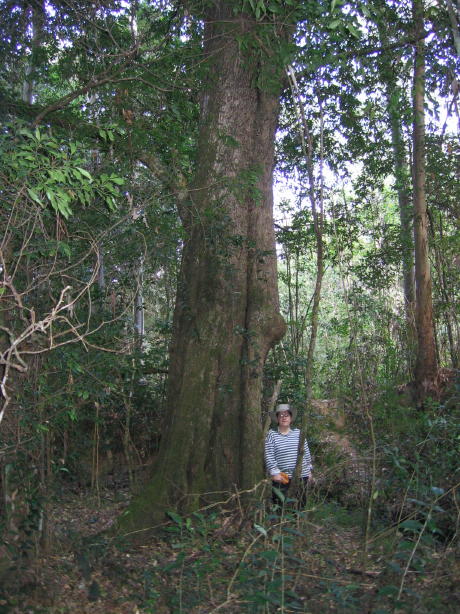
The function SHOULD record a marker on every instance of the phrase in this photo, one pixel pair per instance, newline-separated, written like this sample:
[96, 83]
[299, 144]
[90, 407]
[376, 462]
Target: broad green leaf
[353, 30]
[84, 173]
[26, 132]
[261, 529]
[175, 517]
[35, 197]
[57, 175]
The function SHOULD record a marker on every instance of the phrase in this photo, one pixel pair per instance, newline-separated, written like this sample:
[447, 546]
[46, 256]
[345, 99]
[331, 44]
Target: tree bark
[426, 364]
[227, 314]
[36, 12]
[389, 77]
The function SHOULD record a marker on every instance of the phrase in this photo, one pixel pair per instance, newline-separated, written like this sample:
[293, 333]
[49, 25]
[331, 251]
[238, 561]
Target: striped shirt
[281, 453]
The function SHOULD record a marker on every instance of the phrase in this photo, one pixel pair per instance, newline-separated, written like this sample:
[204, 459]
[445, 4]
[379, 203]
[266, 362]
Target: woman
[281, 447]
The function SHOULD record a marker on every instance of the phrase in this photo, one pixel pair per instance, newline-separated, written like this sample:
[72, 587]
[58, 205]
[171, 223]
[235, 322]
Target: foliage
[50, 172]
[419, 459]
[218, 560]
[94, 167]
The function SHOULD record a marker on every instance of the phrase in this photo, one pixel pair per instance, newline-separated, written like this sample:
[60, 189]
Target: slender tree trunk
[227, 314]
[405, 216]
[403, 186]
[317, 209]
[36, 15]
[450, 318]
[317, 213]
[139, 307]
[426, 364]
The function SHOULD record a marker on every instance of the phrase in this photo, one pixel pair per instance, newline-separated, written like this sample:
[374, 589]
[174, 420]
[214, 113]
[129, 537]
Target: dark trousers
[300, 495]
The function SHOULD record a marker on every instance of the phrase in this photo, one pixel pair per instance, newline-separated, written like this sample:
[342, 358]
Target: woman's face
[284, 418]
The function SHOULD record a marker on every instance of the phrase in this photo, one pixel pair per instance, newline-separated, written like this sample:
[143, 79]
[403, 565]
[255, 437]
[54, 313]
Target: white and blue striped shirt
[281, 453]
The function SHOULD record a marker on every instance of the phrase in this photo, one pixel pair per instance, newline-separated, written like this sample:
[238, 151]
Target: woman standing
[281, 447]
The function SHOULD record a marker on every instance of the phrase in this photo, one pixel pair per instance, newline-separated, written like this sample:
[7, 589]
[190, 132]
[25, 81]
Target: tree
[395, 103]
[226, 316]
[426, 364]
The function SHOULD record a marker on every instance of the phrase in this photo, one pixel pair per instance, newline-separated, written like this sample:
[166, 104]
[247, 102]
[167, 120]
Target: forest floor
[316, 562]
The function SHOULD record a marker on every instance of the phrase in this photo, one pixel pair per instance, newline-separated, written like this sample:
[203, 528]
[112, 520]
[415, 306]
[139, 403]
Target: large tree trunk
[426, 365]
[226, 317]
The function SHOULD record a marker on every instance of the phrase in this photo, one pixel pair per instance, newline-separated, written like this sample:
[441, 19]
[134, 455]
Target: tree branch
[370, 49]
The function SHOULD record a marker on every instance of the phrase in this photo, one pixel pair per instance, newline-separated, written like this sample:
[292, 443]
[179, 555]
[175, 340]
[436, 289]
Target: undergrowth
[295, 561]
[324, 558]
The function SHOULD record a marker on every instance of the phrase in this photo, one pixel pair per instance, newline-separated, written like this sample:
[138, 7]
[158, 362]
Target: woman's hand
[281, 477]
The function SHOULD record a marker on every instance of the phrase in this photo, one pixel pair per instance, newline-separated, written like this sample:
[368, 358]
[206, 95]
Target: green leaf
[110, 202]
[64, 248]
[270, 555]
[27, 155]
[411, 525]
[57, 175]
[275, 8]
[175, 517]
[353, 30]
[84, 173]
[25, 132]
[394, 566]
[261, 529]
[334, 24]
[189, 526]
[389, 590]
[35, 197]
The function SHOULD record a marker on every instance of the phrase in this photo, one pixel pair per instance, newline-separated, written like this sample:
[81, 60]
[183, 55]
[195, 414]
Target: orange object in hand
[285, 477]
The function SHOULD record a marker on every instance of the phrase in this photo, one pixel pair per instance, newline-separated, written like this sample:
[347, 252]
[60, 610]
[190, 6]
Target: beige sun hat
[283, 407]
